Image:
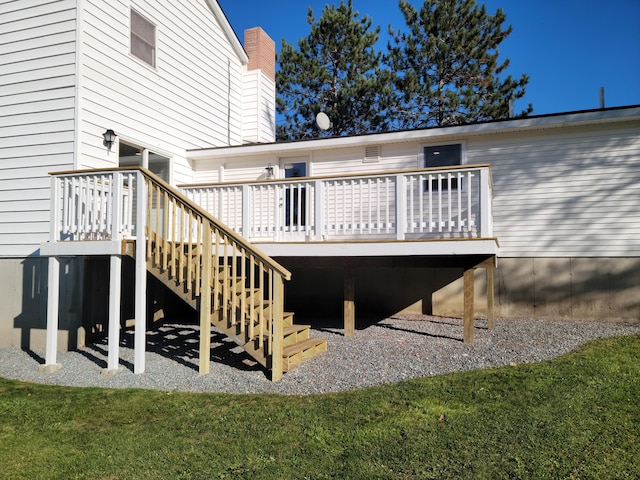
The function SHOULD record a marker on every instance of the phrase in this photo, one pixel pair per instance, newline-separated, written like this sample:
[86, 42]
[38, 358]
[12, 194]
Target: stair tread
[303, 345]
[295, 328]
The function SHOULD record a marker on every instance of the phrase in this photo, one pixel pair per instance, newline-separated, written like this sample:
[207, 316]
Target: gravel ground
[394, 349]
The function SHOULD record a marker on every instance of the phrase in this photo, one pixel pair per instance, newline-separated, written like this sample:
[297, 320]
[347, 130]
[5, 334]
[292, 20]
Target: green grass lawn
[577, 416]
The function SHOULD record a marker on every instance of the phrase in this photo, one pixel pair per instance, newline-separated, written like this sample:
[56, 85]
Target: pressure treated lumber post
[349, 303]
[490, 297]
[205, 300]
[277, 328]
[468, 306]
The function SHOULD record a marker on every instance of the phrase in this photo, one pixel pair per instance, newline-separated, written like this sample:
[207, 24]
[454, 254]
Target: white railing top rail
[345, 176]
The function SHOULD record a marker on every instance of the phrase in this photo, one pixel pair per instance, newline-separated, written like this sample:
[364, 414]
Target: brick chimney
[259, 88]
[261, 51]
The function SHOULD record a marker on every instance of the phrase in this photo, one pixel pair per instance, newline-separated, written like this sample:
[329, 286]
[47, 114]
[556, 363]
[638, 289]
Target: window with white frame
[443, 156]
[143, 39]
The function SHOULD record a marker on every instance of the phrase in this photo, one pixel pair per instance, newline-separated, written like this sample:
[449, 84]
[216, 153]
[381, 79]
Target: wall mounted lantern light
[269, 170]
[109, 138]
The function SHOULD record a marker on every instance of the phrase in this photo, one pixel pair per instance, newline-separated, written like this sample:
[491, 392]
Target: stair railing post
[277, 327]
[205, 300]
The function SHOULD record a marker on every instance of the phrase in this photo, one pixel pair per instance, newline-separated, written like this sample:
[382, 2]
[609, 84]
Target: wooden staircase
[235, 287]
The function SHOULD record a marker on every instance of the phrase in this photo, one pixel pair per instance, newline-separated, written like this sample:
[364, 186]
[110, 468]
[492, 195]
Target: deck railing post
[116, 218]
[486, 215]
[401, 202]
[246, 212]
[319, 209]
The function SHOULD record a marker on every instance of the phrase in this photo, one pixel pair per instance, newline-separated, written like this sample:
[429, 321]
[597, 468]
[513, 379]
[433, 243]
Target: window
[143, 39]
[443, 156]
[295, 214]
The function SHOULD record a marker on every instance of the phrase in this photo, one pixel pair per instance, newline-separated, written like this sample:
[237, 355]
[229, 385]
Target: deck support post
[141, 276]
[205, 301]
[469, 280]
[349, 302]
[53, 304]
[115, 295]
[490, 297]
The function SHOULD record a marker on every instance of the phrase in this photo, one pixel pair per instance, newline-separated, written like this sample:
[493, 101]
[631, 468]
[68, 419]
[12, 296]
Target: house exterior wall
[570, 192]
[37, 110]
[191, 99]
[565, 212]
[66, 75]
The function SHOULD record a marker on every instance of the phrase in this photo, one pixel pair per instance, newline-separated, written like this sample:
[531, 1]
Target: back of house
[165, 77]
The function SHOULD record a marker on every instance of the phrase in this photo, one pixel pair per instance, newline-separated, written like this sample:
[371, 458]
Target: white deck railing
[426, 203]
[94, 205]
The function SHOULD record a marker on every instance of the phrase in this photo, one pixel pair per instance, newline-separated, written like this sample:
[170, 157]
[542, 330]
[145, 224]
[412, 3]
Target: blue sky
[569, 48]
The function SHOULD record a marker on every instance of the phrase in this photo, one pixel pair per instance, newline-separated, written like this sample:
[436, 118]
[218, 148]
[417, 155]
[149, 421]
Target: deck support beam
[115, 296]
[349, 302]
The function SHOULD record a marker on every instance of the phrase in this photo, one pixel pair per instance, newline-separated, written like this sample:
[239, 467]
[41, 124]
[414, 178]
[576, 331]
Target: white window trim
[463, 156]
[155, 46]
[463, 150]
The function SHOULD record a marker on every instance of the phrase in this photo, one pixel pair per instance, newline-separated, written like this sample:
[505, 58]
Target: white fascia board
[94, 247]
[228, 30]
[505, 126]
[485, 246]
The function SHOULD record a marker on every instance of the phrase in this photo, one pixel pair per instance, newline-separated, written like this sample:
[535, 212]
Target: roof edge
[534, 122]
[228, 30]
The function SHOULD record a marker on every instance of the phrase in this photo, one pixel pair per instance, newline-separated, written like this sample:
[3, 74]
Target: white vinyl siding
[37, 109]
[191, 100]
[259, 97]
[567, 193]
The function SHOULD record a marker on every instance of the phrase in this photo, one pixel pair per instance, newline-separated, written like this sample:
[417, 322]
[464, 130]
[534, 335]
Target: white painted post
[486, 215]
[247, 231]
[53, 302]
[53, 282]
[141, 275]
[401, 213]
[319, 209]
[115, 271]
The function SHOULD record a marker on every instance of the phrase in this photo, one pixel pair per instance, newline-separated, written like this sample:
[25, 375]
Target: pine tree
[446, 66]
[335, 69]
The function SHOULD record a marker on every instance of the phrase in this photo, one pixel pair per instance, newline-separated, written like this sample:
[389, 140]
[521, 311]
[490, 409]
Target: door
[295, 197]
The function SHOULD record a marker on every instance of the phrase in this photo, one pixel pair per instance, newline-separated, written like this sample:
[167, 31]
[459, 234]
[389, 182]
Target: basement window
[443, 156]
[143, 39]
